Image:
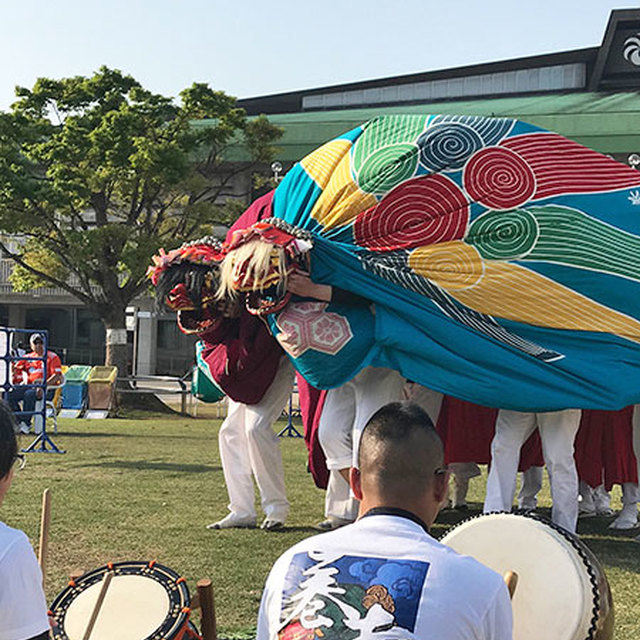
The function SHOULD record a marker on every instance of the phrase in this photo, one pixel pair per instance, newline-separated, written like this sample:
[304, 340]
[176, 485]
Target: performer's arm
[302, 285]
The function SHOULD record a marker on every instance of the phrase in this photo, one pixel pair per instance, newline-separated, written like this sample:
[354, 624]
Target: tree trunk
[117, 351]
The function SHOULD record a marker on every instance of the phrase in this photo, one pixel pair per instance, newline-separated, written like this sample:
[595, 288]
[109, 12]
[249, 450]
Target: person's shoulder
[12, 540]
[9, 534]
[475, 573]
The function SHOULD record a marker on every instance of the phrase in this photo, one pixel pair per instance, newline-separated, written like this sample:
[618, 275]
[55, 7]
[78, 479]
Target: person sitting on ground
[23, 608]
[384, 576]
[29, 372]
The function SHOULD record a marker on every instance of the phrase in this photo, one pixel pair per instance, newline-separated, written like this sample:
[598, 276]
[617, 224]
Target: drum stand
[46, 444]
[43, 440]
[290, 431]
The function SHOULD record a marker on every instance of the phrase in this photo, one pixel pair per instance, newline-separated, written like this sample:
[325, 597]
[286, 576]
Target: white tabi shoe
[233, 521]
[272, 524]
[331, 523]
[627, 518]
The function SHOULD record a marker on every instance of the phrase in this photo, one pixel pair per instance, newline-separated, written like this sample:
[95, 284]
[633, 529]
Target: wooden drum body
[562, 592]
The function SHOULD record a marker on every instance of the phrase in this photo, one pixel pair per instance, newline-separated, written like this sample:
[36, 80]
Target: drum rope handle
[567, 536]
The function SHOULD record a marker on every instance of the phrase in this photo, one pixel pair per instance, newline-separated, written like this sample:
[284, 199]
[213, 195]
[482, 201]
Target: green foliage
[39, 259]
[97, 173]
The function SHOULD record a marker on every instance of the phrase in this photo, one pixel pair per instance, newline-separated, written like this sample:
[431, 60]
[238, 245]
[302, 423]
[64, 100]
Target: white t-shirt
[383, 577]
[23, 607]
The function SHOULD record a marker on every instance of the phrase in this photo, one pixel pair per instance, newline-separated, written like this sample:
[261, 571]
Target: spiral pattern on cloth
[498, 178]
[452, 265]
[447, 146]
[491, 130]
[387, 167]
[420, 211]
[504, 235]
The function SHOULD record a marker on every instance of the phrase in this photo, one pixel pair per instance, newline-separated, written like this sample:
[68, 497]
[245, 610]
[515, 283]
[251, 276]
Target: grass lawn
[145, 489]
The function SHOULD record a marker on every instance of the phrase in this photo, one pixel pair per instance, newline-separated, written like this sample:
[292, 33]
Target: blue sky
[251, 47]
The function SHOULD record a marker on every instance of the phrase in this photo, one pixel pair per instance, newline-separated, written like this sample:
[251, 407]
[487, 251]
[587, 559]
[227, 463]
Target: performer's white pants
[557, 431]
[339, 504]
[249, 446]
[347, 410]
[530, 487]
[427, 399]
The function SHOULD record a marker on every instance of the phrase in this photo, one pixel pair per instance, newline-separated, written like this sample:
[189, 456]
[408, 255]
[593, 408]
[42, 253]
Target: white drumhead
[553, 599]
[134, 607]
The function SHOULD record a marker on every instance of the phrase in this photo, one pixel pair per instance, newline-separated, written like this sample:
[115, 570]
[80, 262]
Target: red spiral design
[421, 211]
[563, 166]
[498, 178]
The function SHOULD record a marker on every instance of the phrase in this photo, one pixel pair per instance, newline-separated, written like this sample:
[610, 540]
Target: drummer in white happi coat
[385, 576]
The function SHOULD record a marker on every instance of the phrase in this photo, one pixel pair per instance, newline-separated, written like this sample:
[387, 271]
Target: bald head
[399, 455]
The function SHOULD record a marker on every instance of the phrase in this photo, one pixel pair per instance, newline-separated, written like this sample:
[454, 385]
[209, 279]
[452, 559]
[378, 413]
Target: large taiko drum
[143, 601]
[562, 592]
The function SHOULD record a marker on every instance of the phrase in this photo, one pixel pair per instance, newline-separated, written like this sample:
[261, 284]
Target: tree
[97, 173]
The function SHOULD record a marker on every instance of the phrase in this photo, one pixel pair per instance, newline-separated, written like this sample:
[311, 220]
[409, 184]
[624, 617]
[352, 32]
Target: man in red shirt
[29, 372]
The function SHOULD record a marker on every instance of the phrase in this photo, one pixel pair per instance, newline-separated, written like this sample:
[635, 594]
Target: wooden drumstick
[511, 580]
[43, 547]
[106, 581]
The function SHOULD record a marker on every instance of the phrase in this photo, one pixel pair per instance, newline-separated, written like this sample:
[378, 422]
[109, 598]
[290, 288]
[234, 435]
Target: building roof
[606, 122]
[312, 99]
[612, 66]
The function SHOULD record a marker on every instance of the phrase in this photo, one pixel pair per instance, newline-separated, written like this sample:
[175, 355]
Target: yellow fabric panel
[321, 164]
[506, 290]
[342, 200]
[453, 265]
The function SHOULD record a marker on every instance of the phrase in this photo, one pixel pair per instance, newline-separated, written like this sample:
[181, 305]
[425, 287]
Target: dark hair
[8, 440]
[396, 420]
[400, 448]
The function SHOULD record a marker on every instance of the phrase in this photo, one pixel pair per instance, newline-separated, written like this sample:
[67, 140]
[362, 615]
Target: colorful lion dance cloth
[503, 261]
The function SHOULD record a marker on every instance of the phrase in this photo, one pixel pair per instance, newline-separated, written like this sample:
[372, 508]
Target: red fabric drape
[467, 429]
[311, 403]
[604, 448]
